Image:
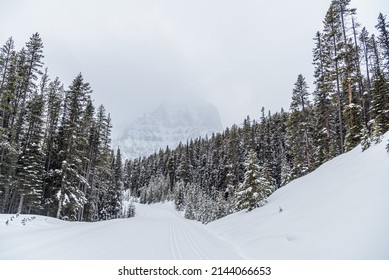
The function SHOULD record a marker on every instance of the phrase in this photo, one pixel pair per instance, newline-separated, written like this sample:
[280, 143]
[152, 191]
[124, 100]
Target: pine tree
[179, 196]
[286, 171]
[191, 198]
[183, 170]
[255, 188]
[118, 168]
[116, 190]
[380, 97]
[324, 109]
[383, 39]
[364, 38]
[298, 129]
[113, 198]
[8, 149]
[30, 70]
[69, 194]
[30, 164]
[332, 40]
[7, 54]
[365, 139]
[54, 101]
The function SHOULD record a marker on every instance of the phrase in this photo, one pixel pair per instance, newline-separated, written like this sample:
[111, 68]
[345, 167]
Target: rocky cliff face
[168, 125]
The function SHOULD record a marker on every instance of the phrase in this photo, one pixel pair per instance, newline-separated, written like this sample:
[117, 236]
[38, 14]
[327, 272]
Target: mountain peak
[172, 122]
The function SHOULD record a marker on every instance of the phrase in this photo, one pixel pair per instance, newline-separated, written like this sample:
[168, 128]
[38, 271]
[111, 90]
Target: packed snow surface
[157, 232]
[339, 211]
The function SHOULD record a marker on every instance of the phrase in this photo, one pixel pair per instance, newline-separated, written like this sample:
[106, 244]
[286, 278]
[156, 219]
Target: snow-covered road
[157, 232]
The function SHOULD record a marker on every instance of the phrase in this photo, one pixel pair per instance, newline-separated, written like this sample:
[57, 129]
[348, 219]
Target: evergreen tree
[183, 170]
[332, 40]
[69, 194]
[54, 99]
[118, 168]
[7, 54]
[286, 171]
[298, 129]
[8, 149]
[179, 196]
[324, 110]
[255, 188]
[30, 164]
[31, 60]
[364, 38]
[383, 39]
[380, 97]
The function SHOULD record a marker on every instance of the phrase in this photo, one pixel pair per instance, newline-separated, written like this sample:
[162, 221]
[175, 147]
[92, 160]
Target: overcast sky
[238, 55]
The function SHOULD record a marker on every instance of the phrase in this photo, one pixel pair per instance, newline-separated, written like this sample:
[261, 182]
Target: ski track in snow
[188, 240]
[176, 251]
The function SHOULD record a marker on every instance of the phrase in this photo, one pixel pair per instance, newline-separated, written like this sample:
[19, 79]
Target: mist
[238, 55]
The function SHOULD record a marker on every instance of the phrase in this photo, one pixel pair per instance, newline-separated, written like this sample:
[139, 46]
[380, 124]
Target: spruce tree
[299, 129]
[7, 53]
[332, 40]
[30, 163]
[29, 72]
[70, 196]
[383, 39]
[255, 188]
[324, 109]
[8, 149]
[380, 97]
[364, 38]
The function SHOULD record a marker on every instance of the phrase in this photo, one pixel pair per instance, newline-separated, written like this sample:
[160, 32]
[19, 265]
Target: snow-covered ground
[340, 211]
[157, 232]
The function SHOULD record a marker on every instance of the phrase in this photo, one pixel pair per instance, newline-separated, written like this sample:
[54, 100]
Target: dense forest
[56, 158]
[239, 168]
[55, 155]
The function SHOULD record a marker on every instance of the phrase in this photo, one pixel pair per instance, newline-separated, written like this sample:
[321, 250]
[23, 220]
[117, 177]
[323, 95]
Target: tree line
[239, 168]
[55, 154]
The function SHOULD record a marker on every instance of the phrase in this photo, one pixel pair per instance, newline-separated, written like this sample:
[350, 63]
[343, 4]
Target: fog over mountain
[169, 124]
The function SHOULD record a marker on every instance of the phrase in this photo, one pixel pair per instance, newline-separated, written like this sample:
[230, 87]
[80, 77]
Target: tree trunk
[5, 199]
[59, 208]
[307, 149]
[340, 117]
[20, 207]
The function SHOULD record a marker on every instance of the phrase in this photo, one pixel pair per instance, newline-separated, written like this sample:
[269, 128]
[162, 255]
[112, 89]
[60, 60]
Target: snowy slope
[340, 211]
[167, 125]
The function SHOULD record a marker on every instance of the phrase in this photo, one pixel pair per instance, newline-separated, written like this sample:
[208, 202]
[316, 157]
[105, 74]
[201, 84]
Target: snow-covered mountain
[168, 125]
[339, 211]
